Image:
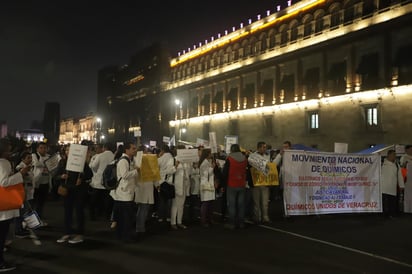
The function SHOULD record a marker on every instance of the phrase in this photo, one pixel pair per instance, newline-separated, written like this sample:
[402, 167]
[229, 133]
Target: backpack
[110, 180]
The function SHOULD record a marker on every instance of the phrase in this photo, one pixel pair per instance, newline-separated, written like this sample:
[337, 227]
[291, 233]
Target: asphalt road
[349, 243]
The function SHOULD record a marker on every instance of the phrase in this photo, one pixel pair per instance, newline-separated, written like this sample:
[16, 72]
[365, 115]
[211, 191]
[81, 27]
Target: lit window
[314, 120]
[371, 116]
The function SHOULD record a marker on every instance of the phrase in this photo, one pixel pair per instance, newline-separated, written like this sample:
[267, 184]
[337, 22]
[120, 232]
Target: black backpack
[110, 180]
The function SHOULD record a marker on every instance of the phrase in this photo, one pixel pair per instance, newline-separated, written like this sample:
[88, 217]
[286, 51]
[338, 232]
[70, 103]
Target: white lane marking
[339, 246]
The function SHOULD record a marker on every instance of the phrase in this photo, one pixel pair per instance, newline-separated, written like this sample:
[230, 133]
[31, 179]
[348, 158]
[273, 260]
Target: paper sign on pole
[76, 158]
[212, 142]
[152, 143]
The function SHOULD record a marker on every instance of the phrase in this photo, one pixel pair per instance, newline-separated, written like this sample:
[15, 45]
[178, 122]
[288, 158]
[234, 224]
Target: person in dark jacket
[75, 200]
[234, 176]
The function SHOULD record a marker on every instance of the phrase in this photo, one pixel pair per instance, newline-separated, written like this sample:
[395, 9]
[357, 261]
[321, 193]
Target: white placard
[229, 141]
[137, 133]
[152, 143]
[202, 142]
[399, 149]
[138, 159]
[53, 162]
[166, 139]
[187, 155]
[212, 142]
[76, 158]
[259, 162]
[341, 148]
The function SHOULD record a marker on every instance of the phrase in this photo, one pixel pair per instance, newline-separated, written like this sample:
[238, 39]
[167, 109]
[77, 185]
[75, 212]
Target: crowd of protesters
[218, 180]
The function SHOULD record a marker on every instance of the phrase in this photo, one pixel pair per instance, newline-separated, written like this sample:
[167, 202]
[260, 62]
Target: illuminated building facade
[316, 72]
[75, 130]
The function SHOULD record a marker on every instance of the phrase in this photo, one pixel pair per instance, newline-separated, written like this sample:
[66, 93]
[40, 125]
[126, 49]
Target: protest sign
[187, 155]
[149, 169]
[76, 158]
[323, 183]
[52, 162]
[259, 162]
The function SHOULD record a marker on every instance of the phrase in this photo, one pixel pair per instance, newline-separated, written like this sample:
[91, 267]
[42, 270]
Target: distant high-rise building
[51, 122]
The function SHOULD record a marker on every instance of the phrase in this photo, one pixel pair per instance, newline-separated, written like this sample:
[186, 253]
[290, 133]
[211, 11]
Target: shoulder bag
[11, 197]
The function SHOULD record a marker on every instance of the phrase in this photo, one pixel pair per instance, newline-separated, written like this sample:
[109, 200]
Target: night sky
[50, 51]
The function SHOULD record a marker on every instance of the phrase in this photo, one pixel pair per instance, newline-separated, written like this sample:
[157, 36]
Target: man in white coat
[167, 169]
[391, 179]
[100, 202]
[123, 195]
[144, 198]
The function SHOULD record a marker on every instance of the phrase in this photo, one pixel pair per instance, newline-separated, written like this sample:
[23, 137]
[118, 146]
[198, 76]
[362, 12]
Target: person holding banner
[391, 179]
[8, 178]
[406, 162]
[287, 145]
[260, 190]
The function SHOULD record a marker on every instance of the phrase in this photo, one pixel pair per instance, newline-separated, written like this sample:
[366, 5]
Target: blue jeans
[236, 204]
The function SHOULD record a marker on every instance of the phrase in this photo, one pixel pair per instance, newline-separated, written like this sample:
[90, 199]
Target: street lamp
[179, 109]
[98, 129]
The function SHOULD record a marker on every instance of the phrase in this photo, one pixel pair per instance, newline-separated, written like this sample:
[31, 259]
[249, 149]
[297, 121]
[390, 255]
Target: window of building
[313, 120]
[371, 115]
[206, 130]
[268, 125]
[234, 127]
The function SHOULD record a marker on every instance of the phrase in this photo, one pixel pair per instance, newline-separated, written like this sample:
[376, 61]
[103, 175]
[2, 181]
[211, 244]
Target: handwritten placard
[76, 158]
[52, 162]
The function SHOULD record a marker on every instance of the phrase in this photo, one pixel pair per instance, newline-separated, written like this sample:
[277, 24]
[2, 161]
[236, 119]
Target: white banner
[323, 183]
[187, 155]
[76, 158]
